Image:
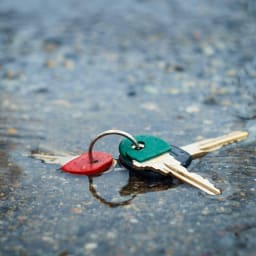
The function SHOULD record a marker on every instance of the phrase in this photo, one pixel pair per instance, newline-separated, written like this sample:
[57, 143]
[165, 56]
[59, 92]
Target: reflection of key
[166, 164]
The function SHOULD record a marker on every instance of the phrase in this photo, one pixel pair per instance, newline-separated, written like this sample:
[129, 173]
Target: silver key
[168, 165]
[51, 159]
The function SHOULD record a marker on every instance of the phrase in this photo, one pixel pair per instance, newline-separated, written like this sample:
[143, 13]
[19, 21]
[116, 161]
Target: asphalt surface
[181, 70]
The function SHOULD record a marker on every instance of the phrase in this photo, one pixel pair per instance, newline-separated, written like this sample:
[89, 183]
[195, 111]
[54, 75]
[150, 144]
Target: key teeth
[168, 165]
[193, 179]
[206, 181]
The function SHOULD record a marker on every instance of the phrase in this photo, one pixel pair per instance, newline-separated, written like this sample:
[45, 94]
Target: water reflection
[136, 185]
[140, 184]
[105, 201]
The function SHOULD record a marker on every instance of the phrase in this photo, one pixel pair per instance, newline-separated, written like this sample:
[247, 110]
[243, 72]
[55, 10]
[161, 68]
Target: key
[184, 155]
[167, 164]
[187, 153]
[154, 155]
[53, 159]
[201, 148]
[80, 164]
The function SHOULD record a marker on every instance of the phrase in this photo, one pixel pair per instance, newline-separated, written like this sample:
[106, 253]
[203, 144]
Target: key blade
[167, 164]
[180, 172]
[201, 148]
[154, 164]
[50, 159]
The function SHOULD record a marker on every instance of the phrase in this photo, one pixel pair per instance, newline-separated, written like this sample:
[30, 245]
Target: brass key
[201, 148]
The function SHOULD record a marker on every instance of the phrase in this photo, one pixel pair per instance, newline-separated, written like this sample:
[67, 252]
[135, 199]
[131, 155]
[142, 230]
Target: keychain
[150, 155]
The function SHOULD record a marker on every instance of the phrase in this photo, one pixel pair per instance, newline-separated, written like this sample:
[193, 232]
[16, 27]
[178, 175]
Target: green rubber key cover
[153, 147]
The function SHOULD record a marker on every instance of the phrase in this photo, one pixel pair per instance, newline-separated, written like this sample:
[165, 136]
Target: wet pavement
[179, 70]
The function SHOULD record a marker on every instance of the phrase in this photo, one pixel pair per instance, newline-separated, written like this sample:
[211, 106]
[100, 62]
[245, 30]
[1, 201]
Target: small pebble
[151, 90]
[11, 131]
[173, 91]
[11, 75]
[208, 50]
[76, 210]
[192, 109]
[134, 220]
[231, 72]
[205, 211]
[69, 64]
[51, 64]
[90, 246]
[150, 106]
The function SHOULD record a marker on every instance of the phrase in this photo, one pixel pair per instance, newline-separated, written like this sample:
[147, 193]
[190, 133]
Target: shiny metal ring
[110, 132]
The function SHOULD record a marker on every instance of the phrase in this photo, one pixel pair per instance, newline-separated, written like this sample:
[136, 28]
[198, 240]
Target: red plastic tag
[102, 161]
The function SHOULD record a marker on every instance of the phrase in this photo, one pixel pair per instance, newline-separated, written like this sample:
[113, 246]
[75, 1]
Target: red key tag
[82, 164]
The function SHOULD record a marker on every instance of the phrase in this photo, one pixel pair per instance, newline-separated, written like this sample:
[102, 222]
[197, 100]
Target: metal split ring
[110, 132]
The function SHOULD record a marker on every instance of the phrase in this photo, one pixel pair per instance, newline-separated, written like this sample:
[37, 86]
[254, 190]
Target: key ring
[110, 132]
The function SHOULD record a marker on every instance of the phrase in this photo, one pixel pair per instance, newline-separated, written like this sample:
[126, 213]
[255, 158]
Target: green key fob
[151, 147]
